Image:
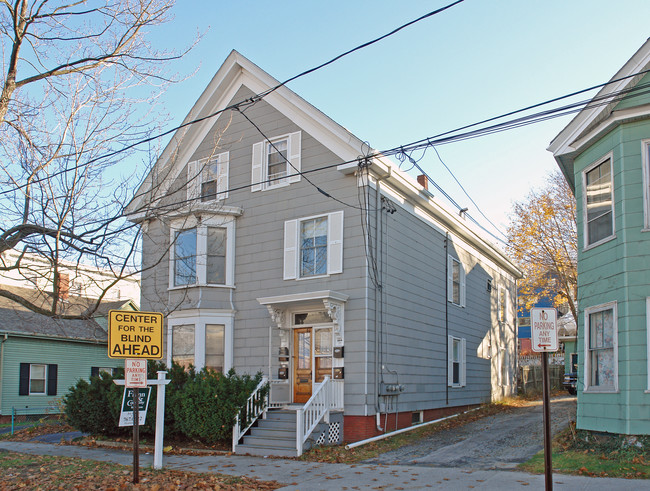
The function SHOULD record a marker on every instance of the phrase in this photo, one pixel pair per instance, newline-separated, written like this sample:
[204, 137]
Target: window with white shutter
[207, 179]
[276, 162]
[313, 246]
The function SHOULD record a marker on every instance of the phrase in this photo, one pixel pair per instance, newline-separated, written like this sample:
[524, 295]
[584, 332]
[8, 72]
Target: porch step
[274, 435]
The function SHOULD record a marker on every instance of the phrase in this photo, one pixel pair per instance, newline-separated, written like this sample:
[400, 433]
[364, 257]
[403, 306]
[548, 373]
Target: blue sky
[477, 60]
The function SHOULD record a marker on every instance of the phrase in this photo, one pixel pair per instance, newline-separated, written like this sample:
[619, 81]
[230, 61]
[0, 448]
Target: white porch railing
[255, 406]
[328, 395]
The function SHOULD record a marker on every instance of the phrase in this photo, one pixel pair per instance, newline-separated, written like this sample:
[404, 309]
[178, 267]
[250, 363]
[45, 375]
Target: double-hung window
[276, 162]
[185, 257]
[455, 281]
[37, 379]
[202, 253]
[456, 368]
[601, 356]
[598, 202]
[203, 340]
[207, 179]
[313, 246]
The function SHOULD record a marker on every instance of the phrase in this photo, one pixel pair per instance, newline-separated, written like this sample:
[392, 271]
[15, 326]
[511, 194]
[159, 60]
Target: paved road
[496, 442]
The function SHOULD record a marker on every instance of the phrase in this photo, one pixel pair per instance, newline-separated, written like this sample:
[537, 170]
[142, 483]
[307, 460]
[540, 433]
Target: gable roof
[235, 72]
[238, 71]
[596, 119]
[16, 319]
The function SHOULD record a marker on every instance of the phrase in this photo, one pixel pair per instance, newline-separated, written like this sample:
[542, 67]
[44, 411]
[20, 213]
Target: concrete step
[280, 415]
[272, 442]
[276, 424]
[273, 432]
[264, 450]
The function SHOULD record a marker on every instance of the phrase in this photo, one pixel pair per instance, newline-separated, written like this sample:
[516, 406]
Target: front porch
[287, 429]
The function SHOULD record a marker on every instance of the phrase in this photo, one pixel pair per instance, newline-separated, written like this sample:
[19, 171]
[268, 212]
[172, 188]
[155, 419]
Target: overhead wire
[478, 208]
[288, 161]
[435, 140]
[238, 105]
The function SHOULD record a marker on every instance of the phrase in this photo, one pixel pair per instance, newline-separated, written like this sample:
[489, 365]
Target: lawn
[595, 454]
[20, 471]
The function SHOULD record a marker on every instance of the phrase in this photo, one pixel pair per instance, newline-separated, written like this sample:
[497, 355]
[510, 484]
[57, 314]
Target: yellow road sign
[135, 334]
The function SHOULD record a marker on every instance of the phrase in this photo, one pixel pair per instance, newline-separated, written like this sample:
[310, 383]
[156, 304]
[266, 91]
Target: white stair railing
[314, 410]
[254, 407]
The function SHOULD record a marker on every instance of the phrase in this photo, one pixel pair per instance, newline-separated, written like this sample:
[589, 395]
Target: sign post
[543, 324]
[135, 336]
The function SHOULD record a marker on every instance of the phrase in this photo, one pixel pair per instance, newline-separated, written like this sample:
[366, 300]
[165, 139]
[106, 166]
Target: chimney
[423, 181]
[64, 286]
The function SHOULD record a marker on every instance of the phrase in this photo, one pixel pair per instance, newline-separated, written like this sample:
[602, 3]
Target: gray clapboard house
[271, 244]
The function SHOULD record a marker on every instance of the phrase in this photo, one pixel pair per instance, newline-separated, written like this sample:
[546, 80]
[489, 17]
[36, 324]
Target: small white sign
[135, 373]
[543, 329]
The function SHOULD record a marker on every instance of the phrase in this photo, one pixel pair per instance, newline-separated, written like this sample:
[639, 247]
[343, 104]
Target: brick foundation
[361, 427]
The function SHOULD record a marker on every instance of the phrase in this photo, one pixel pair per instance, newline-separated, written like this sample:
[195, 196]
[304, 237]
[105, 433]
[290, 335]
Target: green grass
[592, 454]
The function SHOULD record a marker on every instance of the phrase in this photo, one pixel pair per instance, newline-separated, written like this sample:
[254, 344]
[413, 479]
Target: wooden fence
[529, 378]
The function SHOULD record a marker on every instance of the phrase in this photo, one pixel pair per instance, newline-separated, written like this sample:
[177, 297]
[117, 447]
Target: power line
[247, 102]
[319, 189]
[466, 193]
[432, 141]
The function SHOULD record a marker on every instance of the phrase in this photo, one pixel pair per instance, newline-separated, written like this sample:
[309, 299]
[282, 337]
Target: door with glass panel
[302, 364]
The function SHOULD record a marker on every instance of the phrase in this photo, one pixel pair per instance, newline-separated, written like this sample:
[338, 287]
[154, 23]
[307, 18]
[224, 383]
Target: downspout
[378, 287]
[2, 364]
[446, 342]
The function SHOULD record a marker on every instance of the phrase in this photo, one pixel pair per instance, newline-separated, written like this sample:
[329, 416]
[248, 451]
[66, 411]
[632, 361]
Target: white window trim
[335, 227]
[199, 320]
[44, 393]
[503, 290]
[260, 168]
[645, 159]
[587, 359]
[450, 281]
[462, 375]
[195, 179]
[585, 224]
[219, 221]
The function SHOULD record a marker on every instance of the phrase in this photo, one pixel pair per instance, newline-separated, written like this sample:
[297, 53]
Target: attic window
[489, 285]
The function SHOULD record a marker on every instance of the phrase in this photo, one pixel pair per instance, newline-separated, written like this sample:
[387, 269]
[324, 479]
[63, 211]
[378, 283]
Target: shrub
[90, 406]
[210, 402]
[200, 405]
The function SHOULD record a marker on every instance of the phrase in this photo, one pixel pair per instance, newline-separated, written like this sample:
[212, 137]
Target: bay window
[202, 252]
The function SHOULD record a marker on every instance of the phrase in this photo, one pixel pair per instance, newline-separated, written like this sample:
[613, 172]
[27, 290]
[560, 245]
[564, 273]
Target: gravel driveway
[496, 442]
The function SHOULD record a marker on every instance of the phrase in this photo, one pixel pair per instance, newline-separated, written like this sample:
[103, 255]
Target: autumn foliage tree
[543, 240]
[77, 85]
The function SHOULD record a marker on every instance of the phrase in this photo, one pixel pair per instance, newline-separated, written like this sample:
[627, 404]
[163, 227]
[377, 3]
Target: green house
[42, 357]
[604, 154]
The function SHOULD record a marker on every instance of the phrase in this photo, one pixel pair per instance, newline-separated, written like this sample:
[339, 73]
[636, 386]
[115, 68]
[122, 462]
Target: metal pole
[136, 435]
[548, 465]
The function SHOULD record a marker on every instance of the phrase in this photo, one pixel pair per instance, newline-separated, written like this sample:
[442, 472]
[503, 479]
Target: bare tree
[72, 79]
[543, 239]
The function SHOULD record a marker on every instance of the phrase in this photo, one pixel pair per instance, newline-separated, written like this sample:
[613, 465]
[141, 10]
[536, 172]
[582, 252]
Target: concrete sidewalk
[308, 476]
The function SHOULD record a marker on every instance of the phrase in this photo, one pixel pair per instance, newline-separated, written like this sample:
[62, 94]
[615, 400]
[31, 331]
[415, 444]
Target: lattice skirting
[332, 435]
